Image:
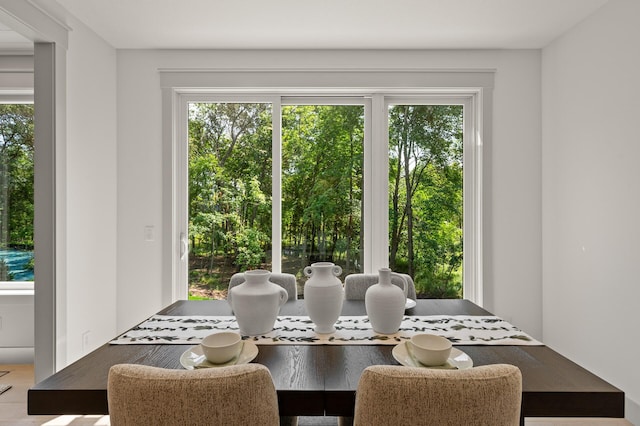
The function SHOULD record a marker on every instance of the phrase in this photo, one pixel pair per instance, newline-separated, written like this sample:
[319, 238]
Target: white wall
[512, 201]
[591, 196]
[16, 323]
[91, 174]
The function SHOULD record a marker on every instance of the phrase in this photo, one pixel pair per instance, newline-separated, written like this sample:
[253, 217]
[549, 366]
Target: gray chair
[286, 281]
[396, 395]
[238, 395]
[356, 285]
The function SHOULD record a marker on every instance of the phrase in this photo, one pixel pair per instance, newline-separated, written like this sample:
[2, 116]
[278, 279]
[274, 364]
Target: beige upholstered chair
[395, 395]
[237, 395]
[287, 281]
[356, 285]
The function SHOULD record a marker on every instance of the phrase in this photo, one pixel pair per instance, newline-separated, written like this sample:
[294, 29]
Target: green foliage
[5, 275]
[229, 177]
[208, 279]
[425, 186]
[31, 264]
[230, 183]
[322, 181]
[192, 297]
[250, 252]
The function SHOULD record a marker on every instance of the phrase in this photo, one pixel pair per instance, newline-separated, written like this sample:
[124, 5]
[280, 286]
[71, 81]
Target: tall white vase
[323, 295]
[385, 302]
[256, 302]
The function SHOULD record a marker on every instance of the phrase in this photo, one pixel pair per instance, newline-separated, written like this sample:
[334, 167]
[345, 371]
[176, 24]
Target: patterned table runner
[350, 330]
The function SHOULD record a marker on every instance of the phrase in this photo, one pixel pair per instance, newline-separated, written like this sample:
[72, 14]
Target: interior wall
[512, 248]
[590, 187]
[91, 175]
[16, 323]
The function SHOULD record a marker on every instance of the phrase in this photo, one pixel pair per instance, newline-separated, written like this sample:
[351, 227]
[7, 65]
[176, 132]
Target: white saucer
[457, 360]
[410, 304]
[194, 358]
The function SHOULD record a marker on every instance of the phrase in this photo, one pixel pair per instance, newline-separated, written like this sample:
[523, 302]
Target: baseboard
[632, 411]
[16, 355]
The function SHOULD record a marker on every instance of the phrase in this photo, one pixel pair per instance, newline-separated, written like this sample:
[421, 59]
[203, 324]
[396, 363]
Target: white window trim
[472, 88]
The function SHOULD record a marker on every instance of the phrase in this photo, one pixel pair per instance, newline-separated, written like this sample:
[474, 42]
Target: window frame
[472, 89]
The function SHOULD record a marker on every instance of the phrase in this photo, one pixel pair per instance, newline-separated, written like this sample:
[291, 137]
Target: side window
[16, 192]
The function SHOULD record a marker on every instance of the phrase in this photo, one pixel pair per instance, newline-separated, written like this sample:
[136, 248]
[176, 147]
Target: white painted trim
[171, 290]
[376, 236]
[16, 79]
[276, 183]
[34, 22]
[45, 209]
[474, 134]
[347, 80]
[472, 199]
[447, 71]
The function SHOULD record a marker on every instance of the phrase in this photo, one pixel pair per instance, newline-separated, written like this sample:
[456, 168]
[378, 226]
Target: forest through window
[16, 192]
[231, 181]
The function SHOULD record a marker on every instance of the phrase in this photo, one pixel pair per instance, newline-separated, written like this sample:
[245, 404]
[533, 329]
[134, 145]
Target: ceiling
[326, 24]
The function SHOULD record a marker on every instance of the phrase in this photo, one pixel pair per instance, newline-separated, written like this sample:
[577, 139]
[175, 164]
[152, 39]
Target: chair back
[396, 395]
[284, 280]
[140, 395]
[356, 285]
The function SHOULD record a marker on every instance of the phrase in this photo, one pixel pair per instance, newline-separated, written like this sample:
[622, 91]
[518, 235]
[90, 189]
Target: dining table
[321, 379]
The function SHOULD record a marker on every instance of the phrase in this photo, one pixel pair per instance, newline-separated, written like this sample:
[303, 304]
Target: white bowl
[429, 349]
[221, 347]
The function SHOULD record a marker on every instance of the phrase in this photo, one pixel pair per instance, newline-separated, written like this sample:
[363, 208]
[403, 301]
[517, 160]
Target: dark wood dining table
[319, 380]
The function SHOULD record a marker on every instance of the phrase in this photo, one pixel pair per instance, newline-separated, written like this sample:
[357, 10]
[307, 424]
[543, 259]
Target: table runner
[350, 330]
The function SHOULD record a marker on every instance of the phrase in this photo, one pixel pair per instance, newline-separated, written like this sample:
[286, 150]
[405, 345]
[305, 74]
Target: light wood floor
[13, 408]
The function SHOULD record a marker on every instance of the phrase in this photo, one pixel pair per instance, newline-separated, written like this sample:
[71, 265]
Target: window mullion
[377, 188]
[276, 190]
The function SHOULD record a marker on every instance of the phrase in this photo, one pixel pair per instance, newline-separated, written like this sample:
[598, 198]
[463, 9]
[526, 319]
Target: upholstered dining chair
[396, 395]
[239, 395]
[356, 285]
[287, 281]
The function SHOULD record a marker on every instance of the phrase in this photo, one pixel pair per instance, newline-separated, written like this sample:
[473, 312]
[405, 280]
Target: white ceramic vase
[323, 295]
[256, 302]
[385, 303]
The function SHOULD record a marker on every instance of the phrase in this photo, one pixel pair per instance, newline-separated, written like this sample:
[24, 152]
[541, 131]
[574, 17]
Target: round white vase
[323, 295]
[385, 303]
[256, 302]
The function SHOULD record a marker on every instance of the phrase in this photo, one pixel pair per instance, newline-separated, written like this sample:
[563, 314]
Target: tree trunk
[409, 216]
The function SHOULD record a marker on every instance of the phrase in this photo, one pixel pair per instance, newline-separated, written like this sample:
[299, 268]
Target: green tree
[229, 182]
[322, 181]
[425, 185]
[322, 188]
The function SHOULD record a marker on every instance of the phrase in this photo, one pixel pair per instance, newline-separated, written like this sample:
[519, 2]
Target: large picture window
[286, 181]
[368, 169]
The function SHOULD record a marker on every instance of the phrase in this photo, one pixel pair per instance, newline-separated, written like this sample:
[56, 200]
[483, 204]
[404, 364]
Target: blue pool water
[17, 261]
